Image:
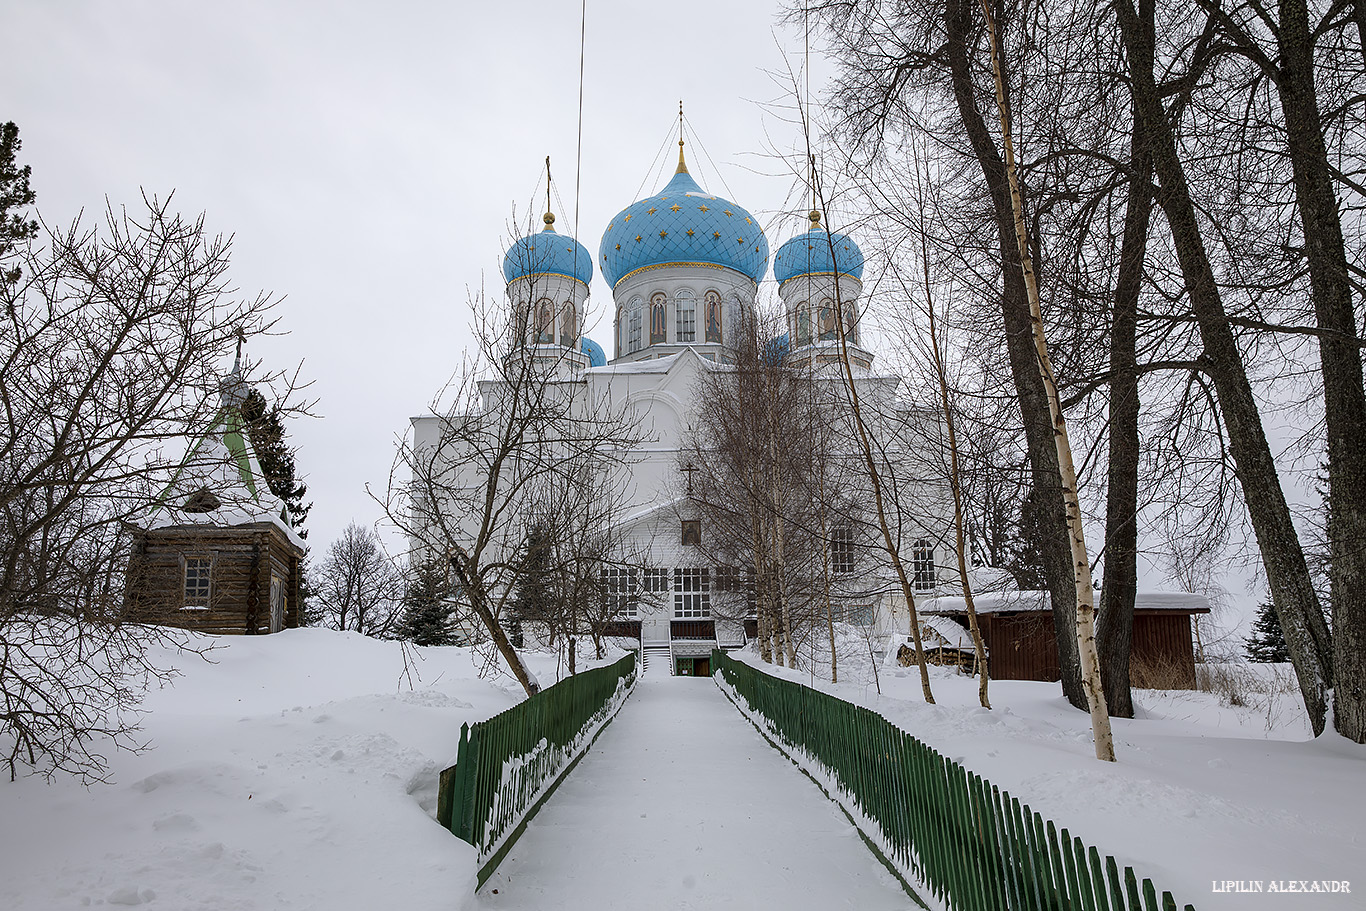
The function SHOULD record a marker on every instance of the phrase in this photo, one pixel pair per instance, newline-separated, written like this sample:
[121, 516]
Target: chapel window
[633, 333]
[198, 576]
[686, 308]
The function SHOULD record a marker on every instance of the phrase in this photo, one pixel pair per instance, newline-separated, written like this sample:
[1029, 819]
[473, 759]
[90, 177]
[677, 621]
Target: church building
[685, 268]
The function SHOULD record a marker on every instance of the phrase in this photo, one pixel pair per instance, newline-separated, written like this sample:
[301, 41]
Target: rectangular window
[656, 580]
[842, 551]
[922, 564]
[198, 573]
[692, 593]
[859, 614]
[619, 588]
[687, 322]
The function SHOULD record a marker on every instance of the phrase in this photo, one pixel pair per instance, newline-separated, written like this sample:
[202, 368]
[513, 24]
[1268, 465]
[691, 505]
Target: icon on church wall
[692, 532]
[713, 317]
[545, 323]
[826, 322]
[657, 330]
[568, 333]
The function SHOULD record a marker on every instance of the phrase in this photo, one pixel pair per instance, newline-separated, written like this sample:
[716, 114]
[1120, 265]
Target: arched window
[633, 330]
[545, 322]
[686, 307]
[713, 318]
[922, 565]
[658, 328]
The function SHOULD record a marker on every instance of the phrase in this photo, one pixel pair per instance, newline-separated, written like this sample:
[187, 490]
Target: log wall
[244, 558]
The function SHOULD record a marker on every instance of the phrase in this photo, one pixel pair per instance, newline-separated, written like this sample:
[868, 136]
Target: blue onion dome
[548, 253]
[682, 224]
[596, 356]
[809, 254]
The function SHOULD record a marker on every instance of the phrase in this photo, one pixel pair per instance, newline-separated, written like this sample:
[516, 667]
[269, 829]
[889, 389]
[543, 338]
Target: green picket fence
[507, 765]
[970, 844]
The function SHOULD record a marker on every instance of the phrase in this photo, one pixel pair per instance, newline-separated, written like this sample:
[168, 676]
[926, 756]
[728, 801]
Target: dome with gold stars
[811, 254]
[682, 224]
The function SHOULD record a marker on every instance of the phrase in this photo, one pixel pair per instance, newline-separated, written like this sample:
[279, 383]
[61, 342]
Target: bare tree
[359, 587]
[510, 429]
[113, 339]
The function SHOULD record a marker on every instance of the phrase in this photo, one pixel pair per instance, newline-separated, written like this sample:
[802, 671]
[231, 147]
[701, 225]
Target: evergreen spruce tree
[535, 597]
[267, 434]
[15, 194]
[1267, 644]
[426, 617]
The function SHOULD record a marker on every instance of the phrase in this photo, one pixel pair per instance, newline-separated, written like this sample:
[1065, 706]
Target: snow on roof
[941, 632]
[1014, 600]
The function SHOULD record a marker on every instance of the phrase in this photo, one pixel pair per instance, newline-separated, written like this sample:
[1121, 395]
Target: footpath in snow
[681, 804]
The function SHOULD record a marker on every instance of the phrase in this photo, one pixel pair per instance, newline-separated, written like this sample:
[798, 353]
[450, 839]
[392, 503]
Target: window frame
[692, 593]
[923, 568]
[197, 602]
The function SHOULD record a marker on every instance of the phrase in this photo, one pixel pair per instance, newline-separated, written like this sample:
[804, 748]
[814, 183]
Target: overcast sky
[368, 157]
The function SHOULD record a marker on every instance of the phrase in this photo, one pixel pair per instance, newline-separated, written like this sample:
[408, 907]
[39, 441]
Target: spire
[549, 217]
[682, 165]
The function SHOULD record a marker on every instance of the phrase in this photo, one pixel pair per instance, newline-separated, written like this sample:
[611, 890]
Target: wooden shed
[217, 554]
[236, 579]
[1017, 630]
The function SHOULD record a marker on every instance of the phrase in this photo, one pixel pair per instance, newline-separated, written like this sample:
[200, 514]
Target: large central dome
[682, 224]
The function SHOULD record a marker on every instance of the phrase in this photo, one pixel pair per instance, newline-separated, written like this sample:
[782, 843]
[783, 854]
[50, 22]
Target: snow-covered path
[681, 804]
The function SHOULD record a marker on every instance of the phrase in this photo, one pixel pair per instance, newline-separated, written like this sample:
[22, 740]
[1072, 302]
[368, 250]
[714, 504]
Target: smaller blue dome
[809, 254]
[596, 356]
[548, 253]
[777, 349]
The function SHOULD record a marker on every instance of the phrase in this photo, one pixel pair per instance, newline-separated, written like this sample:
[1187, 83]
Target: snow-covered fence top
[507, 765]
[967, 844]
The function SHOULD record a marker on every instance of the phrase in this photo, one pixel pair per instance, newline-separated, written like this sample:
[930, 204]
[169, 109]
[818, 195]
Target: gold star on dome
[729, 213]
[650, 211]
[663, 234]
[626, 219]
[618, 247]
[716, 235]
[690, 232]
[739, 240]
[748, 222]
[675, 207]
[704, 208]
[637, 238]
[610, 224]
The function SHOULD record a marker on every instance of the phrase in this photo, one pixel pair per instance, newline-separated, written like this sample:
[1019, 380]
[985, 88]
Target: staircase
[660, 652]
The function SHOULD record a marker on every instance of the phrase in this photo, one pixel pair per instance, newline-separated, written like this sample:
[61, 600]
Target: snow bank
[294, 771]
[1203, 791]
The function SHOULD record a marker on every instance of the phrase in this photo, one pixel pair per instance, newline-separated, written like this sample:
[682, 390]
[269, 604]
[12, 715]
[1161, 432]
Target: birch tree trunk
[1086, 633]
